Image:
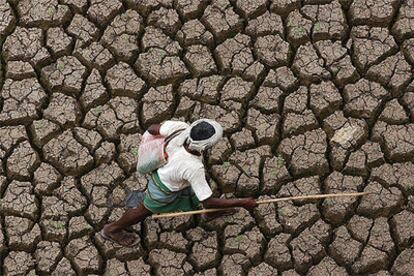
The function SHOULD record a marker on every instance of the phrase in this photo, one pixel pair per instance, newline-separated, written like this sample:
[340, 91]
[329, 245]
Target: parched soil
[315, 96]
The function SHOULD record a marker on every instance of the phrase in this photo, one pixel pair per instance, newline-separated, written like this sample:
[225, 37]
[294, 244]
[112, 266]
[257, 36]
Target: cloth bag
[151, 151]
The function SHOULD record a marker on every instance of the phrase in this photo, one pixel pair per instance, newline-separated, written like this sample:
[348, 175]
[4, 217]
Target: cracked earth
[315, 96]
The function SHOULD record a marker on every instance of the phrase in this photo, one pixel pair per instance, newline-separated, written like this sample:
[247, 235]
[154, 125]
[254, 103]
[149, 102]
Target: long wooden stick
[273, 200]
[264, 201]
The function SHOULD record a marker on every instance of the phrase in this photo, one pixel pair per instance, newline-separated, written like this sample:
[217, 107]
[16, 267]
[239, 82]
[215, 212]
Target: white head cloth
[200, 145]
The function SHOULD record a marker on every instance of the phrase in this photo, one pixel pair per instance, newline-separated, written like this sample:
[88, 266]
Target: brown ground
[80, 81]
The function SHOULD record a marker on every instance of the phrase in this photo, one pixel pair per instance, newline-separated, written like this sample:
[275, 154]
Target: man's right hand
[154, 129]
[249, 203]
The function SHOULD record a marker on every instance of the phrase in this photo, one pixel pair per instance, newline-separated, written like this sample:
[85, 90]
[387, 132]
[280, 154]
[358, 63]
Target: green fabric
[159, 199]
[157, 181]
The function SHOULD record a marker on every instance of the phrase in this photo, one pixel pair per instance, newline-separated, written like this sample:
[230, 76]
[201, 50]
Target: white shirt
[183, 169]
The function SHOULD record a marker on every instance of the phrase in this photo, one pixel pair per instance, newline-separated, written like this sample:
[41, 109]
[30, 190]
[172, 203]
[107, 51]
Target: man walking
[179, 185]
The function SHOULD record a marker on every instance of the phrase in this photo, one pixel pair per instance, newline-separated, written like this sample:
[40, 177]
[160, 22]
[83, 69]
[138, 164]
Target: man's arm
[247, 203]
[167, 127]
[196, 176]
[154, 129]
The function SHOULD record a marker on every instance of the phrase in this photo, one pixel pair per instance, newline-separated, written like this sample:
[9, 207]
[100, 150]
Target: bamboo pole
[196, 212]
[273, 200]
[259, 202]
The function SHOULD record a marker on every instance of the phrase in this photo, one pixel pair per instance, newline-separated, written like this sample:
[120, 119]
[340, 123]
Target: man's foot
[122, 237]
[211, 216]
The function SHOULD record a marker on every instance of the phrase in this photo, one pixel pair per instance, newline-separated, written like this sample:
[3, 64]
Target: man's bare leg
[116, 229]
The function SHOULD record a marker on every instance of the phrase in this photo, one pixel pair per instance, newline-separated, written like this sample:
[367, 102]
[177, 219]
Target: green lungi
[159, 199]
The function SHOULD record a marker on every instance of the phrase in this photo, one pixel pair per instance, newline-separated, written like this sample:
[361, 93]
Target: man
[179, 185]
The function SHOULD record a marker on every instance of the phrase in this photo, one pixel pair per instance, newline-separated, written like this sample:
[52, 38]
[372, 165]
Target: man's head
[204, 134]
[202, 131]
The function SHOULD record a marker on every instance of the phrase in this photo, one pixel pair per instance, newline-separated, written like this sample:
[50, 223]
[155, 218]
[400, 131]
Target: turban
[201, 135]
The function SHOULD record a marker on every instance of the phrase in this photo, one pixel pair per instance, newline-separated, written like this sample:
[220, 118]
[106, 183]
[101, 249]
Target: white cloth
[169, 127]
[200, 145]
[183, 169]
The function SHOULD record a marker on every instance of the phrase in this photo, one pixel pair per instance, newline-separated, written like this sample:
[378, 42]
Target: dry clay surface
[315, 96]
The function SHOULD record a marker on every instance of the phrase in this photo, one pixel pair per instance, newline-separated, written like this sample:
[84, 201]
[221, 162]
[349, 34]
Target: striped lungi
[159, 199]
